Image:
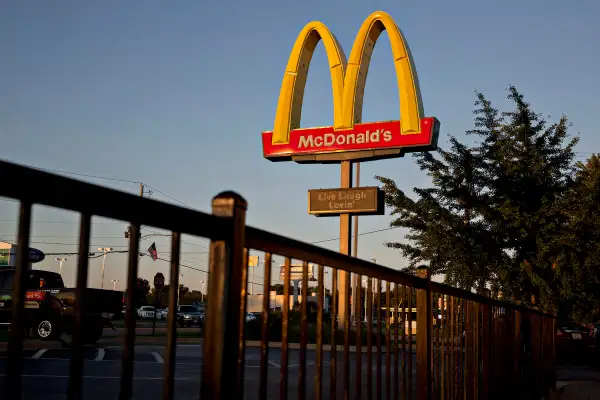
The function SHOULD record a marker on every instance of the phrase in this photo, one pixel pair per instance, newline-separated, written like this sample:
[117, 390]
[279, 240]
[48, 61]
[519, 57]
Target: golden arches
[411, 106]
[347, 81]
[289, 106]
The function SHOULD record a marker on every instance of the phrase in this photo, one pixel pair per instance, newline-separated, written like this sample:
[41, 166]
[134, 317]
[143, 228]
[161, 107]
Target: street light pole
[60, 260]
[179, 288]
[106, 250]
[202, 290]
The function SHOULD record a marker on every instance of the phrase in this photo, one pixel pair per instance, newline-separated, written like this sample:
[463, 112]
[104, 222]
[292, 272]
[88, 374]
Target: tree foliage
[494, 215]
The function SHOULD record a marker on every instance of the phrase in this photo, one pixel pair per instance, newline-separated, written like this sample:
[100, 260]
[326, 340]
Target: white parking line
[274, 364]
[39, 353]
[100, 355]
[158, 357]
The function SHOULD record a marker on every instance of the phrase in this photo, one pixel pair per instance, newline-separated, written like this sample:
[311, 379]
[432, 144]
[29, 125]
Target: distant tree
[142, 288]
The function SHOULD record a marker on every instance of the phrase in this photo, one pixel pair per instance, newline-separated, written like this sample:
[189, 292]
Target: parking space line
[100, 355]
[274, 364]
[39, 353]
[158, 357]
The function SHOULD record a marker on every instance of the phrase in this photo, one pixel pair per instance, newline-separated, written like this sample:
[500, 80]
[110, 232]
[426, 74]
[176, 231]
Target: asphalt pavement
[46, 372]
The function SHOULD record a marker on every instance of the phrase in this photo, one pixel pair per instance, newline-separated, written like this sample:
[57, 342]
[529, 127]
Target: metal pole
[60, 268]
[357, 284]
[179, 288]
[103, 262]
[155, 309]
[366, 287]
[252, 283]
[345, 246]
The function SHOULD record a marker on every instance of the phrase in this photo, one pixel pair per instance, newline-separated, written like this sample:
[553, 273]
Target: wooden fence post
[424, 335]
[221, 377]
[486, 346]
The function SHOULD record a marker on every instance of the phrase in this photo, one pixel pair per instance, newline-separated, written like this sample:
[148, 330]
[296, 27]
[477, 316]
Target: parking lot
[46, 372]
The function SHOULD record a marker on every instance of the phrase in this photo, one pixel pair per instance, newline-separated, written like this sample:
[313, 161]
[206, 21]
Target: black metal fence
[460, 345]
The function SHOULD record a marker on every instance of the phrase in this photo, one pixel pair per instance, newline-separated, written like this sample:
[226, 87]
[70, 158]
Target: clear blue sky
[176, 94]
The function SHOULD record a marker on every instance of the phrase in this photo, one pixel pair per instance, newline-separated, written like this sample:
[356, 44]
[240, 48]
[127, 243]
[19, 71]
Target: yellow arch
[411, 106]
[289, 105]
[347, 81]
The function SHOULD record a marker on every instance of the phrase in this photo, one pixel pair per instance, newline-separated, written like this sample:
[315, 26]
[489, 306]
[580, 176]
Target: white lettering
[329, 139]
[341, 139]
[374, 137]
[306, 141]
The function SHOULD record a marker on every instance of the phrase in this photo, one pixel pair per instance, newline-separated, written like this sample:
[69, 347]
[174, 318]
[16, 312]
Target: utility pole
[202, 285]
[179, 288]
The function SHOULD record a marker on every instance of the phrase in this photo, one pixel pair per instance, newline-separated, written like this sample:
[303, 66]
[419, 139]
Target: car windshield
[188, 309]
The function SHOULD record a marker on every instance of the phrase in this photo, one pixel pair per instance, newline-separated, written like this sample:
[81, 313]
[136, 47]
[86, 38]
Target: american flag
[152, 251]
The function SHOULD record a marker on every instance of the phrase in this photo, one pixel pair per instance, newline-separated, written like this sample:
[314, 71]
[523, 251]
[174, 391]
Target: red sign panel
[375, 136]
[35, 295]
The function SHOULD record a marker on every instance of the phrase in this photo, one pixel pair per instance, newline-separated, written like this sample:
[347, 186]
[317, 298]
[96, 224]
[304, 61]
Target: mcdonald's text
[367, 136]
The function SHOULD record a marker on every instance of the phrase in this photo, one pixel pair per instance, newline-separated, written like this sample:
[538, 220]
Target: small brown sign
[368, 200]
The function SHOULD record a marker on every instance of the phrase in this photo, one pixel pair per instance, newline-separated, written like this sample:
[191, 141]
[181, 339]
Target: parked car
[188, 315]
[162, 314]
[573, 338]
[146, 312]
[50, 307]
[252, 316]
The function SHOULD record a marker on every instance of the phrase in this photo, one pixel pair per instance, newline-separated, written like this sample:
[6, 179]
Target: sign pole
[345, 246]
[155, 310]
[159, 283]
[357, 286]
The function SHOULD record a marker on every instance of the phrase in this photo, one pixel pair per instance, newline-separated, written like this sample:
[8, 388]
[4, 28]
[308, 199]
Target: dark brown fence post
[517, 348]
[424, 322]
[486, 347]
[222, 331]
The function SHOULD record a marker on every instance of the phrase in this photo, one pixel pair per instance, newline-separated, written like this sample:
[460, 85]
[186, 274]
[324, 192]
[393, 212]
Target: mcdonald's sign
[349, 138]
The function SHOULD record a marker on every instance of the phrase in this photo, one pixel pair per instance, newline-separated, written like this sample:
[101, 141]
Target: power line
[360, 234]
[170, 197]
[3, 221]
[86, 175]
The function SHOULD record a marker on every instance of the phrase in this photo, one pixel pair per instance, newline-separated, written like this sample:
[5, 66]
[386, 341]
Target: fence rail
[466, 345]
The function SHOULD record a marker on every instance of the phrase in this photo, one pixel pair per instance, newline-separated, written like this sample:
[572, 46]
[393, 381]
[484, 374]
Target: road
[45, 373]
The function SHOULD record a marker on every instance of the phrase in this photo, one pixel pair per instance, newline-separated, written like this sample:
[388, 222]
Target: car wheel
[44, 329]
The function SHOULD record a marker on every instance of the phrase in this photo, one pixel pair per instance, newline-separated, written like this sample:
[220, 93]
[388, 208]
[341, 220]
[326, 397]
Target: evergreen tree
[494, 209]
[528, 171]
[577, 269]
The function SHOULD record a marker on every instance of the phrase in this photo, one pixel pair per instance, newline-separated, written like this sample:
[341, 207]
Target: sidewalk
[576, 382]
